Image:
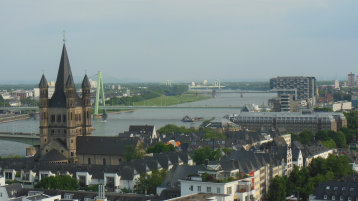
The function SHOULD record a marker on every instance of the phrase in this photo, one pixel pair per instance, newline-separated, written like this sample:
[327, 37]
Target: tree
[148, 183]
[277, 190]
[60, 182]
[133, 152]
[205, 153]
[352, 119]
[160, 147]
[330, 144]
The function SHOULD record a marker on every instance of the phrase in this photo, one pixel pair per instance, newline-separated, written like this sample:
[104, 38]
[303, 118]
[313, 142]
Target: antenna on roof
[64, 36]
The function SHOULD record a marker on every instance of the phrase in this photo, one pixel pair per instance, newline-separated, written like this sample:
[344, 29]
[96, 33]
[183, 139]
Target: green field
[171, 100]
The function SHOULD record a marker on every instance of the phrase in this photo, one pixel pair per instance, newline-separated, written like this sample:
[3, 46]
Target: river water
[117, 123]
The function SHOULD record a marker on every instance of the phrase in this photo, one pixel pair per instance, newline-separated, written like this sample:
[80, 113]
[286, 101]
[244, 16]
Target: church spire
[64, 71]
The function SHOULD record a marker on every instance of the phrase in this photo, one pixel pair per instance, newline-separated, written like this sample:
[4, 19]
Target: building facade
[64, 116]
[291, 121]
[305, 86]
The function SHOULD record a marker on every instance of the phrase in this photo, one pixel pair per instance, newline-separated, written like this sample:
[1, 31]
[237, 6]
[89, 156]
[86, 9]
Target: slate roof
[64, 78]
[13, 190]
[178, 172]
[141, 129]
[81, 195]
[96, 145]
[337, 188]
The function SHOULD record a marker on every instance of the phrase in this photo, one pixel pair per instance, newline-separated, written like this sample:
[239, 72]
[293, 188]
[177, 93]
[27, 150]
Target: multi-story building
[305, 86]
[291, 121]
[350, 80]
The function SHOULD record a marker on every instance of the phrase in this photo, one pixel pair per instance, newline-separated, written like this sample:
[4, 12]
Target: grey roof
[141, 129]
[13, 190]
[70, 83]
[43, 82]
[53, 155]
[85, 82]
[64, 77]
[80, 195]
[337, 189]
[178, 172]
[96, 145]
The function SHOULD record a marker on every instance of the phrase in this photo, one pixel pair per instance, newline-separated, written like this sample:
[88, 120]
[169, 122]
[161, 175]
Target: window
[228, 190]
[71, 116]
[53, 118]
[191, 188]
[218, 190]
[199, 188]
[8, 175]
[88, 115]
[89, 161]
[64, 118]
[104, 161]
[119, 160]
[333, 197]
[58, 118]
[208, 189]
[72, 154]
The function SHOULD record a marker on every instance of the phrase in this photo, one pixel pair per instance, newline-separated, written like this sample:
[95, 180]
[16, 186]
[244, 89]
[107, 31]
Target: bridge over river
[26, 138]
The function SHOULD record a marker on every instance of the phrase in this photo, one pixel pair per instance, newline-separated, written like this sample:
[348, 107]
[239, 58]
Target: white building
[336, 84]
[341, 106]
[234, 190]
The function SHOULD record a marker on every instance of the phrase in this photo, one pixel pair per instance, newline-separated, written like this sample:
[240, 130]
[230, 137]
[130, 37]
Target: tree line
[302, 182]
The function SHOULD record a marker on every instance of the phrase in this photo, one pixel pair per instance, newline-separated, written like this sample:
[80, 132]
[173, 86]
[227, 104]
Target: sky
[179, 40]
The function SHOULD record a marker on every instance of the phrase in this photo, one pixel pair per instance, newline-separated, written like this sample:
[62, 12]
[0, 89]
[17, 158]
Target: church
[65, 124]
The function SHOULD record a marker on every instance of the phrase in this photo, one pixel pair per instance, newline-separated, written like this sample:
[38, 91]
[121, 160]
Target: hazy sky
[180, 40]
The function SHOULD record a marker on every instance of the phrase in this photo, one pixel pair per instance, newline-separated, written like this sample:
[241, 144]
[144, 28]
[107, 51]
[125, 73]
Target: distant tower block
[168, 83]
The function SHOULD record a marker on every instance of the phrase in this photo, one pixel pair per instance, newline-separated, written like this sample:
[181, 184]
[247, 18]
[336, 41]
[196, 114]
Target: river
[117, 123]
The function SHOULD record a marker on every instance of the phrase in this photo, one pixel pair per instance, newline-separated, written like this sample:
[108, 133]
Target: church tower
[64, 116]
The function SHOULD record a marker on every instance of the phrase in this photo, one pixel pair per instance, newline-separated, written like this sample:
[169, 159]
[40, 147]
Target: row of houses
[114, 177]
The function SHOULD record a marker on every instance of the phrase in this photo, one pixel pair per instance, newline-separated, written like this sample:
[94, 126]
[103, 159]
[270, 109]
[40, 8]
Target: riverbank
[172, 100]
[5, 119]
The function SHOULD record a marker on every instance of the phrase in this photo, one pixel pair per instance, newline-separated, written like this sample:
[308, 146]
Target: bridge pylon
[100, 90]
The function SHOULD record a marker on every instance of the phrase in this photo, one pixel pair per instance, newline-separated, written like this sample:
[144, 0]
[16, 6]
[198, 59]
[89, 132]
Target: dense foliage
[171, 128]
[206, 153]
[60, 182]
[148, 183]
[160, 147]
[302, 182]
[133, 153]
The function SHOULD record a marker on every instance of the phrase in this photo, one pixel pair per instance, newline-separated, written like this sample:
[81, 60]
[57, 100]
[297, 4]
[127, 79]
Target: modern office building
[305, 86]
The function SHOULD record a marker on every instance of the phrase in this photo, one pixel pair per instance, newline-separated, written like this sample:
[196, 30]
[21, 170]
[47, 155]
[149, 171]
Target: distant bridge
[130, 107]
[26, 138]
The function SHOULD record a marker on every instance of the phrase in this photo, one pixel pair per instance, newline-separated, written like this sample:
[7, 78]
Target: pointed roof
[43, 82]
[64, 71]
[63, 81]
[70, 83]
[85, 82]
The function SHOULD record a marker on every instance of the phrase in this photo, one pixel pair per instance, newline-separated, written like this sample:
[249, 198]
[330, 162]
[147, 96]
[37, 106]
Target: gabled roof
[70, 83]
